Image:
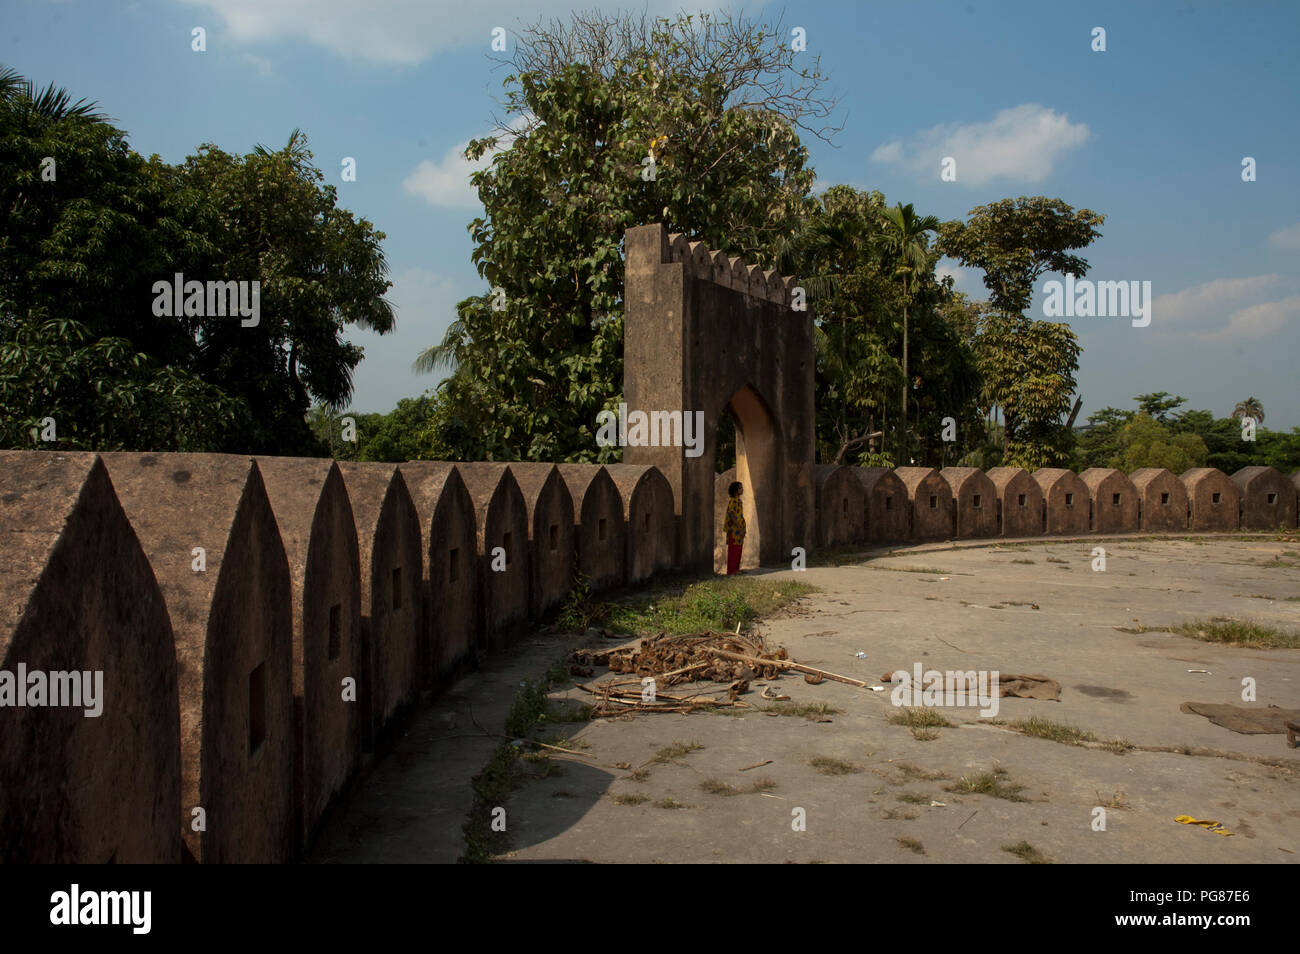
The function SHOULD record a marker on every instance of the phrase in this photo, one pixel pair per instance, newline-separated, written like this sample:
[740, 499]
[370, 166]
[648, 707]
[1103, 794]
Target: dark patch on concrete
[1105, 692]
[181, 476]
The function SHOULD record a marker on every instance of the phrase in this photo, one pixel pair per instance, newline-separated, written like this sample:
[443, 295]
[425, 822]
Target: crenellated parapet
[731, 272]
[221, 584]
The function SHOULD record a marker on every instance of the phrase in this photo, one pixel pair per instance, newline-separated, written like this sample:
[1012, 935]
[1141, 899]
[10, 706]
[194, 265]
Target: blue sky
[1152, 133]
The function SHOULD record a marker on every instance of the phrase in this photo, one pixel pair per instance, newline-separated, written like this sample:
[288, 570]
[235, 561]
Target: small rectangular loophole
[256, 708]
[1069, 500]
[977, 501]
[555, 537]
[889, 503]
[1272, 499]
[1114, 500]
[1022, 500]
[600, 529]
[453, 565]
[1216, 498]
[336, 631]
[1164, 500]
[934, 502]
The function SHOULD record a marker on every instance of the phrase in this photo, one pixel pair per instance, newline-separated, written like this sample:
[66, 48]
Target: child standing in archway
[734, 527]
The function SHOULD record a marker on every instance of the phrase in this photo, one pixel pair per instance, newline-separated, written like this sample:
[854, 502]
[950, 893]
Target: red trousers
[733, 557]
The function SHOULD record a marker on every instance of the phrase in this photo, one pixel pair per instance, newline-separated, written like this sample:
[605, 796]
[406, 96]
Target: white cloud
[394, 31]
[1256, 321]
[1237, 308]
[1286, 238]
[1020, 144]
[446, 183]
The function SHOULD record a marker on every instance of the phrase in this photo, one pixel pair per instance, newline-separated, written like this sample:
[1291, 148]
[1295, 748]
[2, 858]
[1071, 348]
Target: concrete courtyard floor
[1016, 607]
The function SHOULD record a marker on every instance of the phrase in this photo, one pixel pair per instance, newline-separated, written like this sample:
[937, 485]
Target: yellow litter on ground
[1213, 826]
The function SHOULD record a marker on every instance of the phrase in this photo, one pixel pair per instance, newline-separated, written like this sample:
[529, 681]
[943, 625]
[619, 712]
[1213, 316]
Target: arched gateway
[703, 334]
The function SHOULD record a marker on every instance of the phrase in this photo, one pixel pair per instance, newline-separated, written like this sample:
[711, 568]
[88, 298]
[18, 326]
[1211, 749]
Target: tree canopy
[91, 226]
[649, 131]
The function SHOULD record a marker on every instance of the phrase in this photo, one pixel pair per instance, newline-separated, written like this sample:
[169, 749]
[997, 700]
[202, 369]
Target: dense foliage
[91, 226]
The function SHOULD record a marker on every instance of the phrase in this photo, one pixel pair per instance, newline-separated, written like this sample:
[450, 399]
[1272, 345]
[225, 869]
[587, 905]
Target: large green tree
[907, 248]
[90, 226]
[321, 270]
[87, 226]
[846, 254]
[1028, 366]
[537, 357]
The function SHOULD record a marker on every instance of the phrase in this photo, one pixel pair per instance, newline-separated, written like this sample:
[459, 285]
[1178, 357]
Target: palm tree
[50, 103]
[444, 356]
[1251, 407]
[905, 243]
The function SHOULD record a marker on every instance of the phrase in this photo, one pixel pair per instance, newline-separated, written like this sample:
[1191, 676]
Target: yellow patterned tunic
[734, 525]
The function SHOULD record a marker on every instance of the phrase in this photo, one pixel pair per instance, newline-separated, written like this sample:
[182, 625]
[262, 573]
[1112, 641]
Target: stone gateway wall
[706, 334]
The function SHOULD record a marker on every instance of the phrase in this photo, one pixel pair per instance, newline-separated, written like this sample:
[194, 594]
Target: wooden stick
[556, 748]
[785, 664]
[678, 672]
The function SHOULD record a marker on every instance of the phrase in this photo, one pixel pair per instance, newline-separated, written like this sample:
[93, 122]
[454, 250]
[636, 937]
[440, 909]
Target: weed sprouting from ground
[830, 766]
[919, 717]
[1027, 853]
[1041, 728]
[1222, 629]
[675, 751]
[713, 786]
[991, 783]
[580, 610]
[808, 710]
[708, 605]
[1238, 633]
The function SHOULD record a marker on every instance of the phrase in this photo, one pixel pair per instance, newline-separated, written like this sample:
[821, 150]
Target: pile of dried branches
[728, 658]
